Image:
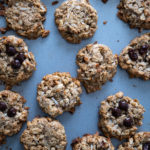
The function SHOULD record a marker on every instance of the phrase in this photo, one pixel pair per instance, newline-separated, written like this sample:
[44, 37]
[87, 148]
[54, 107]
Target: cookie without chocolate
[97, 65]
[135, 58]
[26, 17]
[92, 142]
[12, 113]
[120, 115]
[136, 13]
[44, 134]
[16, 63]
[58, 92]
[76, 20]
[140, 141]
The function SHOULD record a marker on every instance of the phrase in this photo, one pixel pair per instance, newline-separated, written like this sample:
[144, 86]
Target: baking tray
[55, 54]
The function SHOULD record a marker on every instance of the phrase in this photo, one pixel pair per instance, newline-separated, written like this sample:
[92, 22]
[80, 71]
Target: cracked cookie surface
[16, 63]
[44, 134]
[136, 13]
[92, 142]
[58, 92]
[97, 65]
[76, 20]
[12, 113]
[120, 116]
[26, 17]
[140, 141]
[135, 58]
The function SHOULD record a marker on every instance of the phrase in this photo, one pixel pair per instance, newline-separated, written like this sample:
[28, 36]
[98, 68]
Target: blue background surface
[55, 54]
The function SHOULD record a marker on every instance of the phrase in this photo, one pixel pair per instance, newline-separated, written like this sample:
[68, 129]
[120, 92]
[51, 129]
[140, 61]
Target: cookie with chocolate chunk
[135, 58]
[120, 115]
[12, 113]
[92, 142]
[97, 65]
[58, 92]
[16, 63]
[140, 141]
[43, 134]
[26, 17]
[136, 13]
[76, 20]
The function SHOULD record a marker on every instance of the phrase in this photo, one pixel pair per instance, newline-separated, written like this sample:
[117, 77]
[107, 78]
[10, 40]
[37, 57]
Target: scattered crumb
[104, 1]
[4, 30]
[104, 22]
[55, 2]
[134, 85]
[2, 12]
[118, 41]
[10, 149]
[45, 33]
[95, 42]
[140, 30]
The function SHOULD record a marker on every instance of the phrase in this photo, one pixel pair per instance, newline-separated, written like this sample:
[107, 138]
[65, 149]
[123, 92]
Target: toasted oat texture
[12, 113]
[58, 92]
[92, 142]
[140, 141]
[76, 20]
[44, 134]
[136, 13]
[16, 63]
[120, 116]
[97, 65]
[135, 58]
[26, 17]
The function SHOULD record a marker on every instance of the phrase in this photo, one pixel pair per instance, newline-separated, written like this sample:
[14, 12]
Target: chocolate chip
[116, 112]
[3, 106]
[146, 146]
[11, 112]
[128, 122]
[123, 105]
[21, 57]
[16, 64]
[143, 49]
[133, 55]
[10, 50]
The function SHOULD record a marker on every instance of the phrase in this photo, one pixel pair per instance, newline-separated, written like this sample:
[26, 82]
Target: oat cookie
[26, 17]
[76, 20]
[44, 134]
[58, 92]
[12, 113]
[135, 58]
[16, 63]
[120, 115]
[140, 141]
[92, 142]
[136, 13]
[97, 65]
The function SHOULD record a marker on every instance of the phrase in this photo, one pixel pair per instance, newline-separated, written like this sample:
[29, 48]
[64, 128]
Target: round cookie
[140, 141]
[58, 92]
[26, 17]
[97, 65]
[44, 134]
[76, 20]
[120, 116]
[16, 63]
[136, 13]
[92, 142]
[135, 58]
[12, 113]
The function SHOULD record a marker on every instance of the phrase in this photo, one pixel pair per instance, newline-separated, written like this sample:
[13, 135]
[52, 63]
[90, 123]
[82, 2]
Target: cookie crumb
[118, 41]
[104, 1]
[45, 33]
[4, 30]
[104, 22]
[55, 2]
